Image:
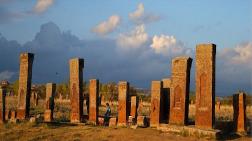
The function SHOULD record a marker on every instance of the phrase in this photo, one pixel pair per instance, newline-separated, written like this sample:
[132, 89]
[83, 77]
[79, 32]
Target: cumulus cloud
[107, 26]
[42, 5]
[140, 17]
[133, 39]
[6, 75]
[53, 48]
[241, 54]
[168, 45]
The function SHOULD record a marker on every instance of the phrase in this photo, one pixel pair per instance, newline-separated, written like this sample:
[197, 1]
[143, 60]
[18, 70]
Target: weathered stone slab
[239, 105]
[76, 82]
[179, 98]
[205, 85]
[142, 121]
[93, 100]
[49, 101]
[191, 131]
[48, 115]
[123, 103]
[2, 102]
[165, 100]
[24, 91]
[156, 91]
[112, 122]
[134, 106]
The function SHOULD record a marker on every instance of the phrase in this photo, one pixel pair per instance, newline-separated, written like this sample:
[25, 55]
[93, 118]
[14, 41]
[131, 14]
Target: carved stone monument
[165, 100]
[179, 98]
[205, 86]
[93, 101]
[49, 101]
[24, 91]
[239, 103]
[76, 82]
[123, 103]
[2, 101]
[156, 91]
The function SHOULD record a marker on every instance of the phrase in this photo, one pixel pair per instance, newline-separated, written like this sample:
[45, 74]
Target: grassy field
[66, 131]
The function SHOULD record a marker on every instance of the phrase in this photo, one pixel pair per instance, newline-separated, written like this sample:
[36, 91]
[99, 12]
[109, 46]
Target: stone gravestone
[76, 83]
[93, 101]
[156, 91]
[2, 101]
[134, 106]
[205, 86]
[239, 105]
[179, 98]
[49, 102]
[123, 103]
[24, 90]
[165, 100]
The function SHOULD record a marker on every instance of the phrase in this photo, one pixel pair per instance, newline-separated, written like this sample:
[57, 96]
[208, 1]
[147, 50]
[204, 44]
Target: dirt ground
[70, 132]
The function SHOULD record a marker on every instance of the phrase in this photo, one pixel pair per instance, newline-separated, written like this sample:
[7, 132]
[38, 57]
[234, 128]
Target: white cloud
[168, 45]
[6, 75]
[108, 26]
[134, 38]
[42, 5]
[138, 13]
[241, 54]
[140, 17]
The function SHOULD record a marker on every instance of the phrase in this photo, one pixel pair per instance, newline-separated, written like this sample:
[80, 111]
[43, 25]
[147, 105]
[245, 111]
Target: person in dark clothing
[107, 115]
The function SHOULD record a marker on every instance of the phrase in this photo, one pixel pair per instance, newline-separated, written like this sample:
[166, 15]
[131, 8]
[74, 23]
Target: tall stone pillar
[93, 101]
[165, 100]
[156, 91]
[134, 106]
[205, 85]
[24, 91]
[2, 101]
[49, 101]
[123, 103]
[76, 82]
[239, 105]
[180, 82]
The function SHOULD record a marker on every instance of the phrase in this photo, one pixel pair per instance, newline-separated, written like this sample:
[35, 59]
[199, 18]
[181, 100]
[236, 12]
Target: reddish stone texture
[2, 101]
[100, 121]
[24, 91]
[48, 115]
[141, 121]
[165, 100]
[156, 91]
[239, 105]
[49, 101]
[7, 114]
[179, 97]
[112, 122]
[34, 98]
[76, 82]
[50, 94]
[123, 103]
[93, 100]
[134, 106]
[205, 86]
[13, 115]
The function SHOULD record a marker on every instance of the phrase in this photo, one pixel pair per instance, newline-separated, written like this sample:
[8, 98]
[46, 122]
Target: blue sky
[137, 39]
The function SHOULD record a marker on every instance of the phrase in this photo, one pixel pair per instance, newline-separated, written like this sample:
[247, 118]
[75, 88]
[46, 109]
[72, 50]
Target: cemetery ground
[62, 129]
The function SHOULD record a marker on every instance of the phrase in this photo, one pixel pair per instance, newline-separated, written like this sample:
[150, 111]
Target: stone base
[48, 116]
[190, 131]
[142, 121]
[112, 122]
[21, 114]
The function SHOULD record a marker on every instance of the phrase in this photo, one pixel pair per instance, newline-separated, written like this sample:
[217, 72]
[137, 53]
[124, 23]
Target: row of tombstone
[169, 98]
